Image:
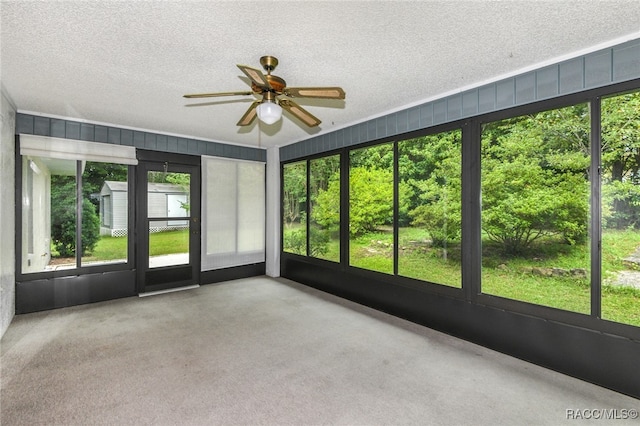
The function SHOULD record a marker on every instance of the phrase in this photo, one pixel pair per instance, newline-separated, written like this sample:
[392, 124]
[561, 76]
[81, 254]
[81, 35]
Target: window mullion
[78, 213]
[596, 207]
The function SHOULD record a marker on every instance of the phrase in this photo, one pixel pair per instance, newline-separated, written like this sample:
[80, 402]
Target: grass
[511, 277]
[115, 248]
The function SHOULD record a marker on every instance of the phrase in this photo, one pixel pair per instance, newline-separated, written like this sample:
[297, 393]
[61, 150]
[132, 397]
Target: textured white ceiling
[129, 63]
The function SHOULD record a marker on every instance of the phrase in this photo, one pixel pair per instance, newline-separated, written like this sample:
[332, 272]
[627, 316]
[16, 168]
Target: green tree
[370, 199]
[63, 218]
[294, 195]
[430, 188]
[621, 161]
[95, 174]
[535, 178]
[370, 206]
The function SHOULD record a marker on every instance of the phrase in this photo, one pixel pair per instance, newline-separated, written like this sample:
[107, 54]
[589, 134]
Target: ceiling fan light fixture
[269, 112]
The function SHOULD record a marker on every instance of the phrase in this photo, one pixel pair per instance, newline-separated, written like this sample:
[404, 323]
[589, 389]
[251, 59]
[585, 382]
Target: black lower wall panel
[52, 293]
[603, 359]
[233, 273]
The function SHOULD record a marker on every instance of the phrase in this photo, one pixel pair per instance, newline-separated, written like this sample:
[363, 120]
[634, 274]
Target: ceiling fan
[275, 94]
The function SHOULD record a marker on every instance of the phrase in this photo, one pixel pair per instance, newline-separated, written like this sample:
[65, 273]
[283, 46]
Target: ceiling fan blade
[305, 116]
[315, 92]
[255, 76]
[213, 95]
[250, 115]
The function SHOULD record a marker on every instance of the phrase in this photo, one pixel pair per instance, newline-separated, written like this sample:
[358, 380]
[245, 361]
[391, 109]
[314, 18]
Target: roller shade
[71, 149]
[233, 213]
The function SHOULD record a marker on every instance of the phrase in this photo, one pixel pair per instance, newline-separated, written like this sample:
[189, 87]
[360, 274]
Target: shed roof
[152, 187]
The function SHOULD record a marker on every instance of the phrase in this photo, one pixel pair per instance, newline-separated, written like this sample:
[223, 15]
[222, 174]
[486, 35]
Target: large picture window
[535, 208]
[620, 180]
[371, 208]
[429, 222]
[324, 205]
[551, 214]
[294, 208]
[74, 204]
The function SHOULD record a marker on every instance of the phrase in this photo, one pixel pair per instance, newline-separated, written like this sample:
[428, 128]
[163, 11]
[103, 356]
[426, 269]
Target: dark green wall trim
[68, 129]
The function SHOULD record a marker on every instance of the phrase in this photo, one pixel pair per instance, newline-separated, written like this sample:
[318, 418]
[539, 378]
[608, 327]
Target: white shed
[164, 200]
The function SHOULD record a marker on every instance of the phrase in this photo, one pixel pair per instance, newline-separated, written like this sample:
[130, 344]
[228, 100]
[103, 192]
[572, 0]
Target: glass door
[168, 225]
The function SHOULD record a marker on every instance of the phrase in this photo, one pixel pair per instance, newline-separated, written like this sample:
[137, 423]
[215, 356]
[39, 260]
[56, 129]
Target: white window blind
[233, 213]
[71, 149]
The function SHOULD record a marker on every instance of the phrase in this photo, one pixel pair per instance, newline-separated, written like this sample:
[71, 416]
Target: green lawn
[115, 248]
[510, 277]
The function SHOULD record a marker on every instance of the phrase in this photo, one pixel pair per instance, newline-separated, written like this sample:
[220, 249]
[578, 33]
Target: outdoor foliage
[63, 218]
[535, 178]
[294, 196]
[430, 187]
[536, 181]
[621, 161]
[63, 206]
[370, 196]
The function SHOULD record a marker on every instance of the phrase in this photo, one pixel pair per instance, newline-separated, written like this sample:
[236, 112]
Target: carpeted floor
[268, 351]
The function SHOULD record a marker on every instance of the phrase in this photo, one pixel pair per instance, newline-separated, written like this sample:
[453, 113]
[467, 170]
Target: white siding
[120, 210]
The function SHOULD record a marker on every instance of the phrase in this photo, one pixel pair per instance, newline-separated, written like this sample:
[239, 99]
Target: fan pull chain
[259, 134]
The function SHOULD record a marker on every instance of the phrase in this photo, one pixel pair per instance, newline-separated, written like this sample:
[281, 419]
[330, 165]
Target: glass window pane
[324, 196]
[535, 208]
[371, 208]
[48, 214]
[105, 213]
[168, 245]
[429, 223]
[621, 208]
[168, 196]
[168, 203]
[294, 208]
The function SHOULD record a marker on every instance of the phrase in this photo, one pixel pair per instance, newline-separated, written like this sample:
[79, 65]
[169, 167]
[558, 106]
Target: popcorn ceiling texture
[129, 63]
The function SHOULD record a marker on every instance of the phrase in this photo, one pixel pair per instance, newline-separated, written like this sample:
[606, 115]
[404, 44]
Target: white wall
[272, 265]
[7, 212]
[40, 201]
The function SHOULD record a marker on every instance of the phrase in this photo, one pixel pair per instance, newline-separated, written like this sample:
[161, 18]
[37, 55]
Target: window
[620, 192]
[371, 208]
[233, 205]
[429, 222]
[64, 184]
[294, 208]
[536, 236]
[535, 208]
[324, 201]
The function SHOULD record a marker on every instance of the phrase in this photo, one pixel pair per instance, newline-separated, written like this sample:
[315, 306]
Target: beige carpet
[267, 351]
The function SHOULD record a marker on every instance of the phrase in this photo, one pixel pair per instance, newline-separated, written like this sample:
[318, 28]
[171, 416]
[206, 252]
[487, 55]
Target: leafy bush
[63, 218]
[371, 199]
[296, 242]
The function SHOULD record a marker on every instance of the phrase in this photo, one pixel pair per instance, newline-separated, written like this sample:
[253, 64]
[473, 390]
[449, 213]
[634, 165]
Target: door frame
[175, 276]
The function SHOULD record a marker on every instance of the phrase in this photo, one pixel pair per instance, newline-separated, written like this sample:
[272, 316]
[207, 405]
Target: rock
[543, 272]
[579, 273]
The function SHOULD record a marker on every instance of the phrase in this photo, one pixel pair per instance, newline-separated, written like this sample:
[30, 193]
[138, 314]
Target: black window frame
[471, 214]
[78, 270]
